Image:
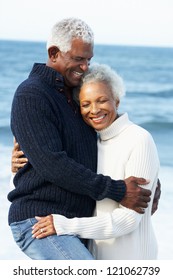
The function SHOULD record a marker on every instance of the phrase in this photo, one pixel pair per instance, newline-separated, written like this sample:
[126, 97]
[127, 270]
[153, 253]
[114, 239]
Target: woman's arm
[120, 221]
[18, 160]
[143, 162]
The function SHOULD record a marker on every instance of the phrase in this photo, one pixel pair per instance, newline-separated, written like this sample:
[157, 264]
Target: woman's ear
[53, 52]
[117, 102]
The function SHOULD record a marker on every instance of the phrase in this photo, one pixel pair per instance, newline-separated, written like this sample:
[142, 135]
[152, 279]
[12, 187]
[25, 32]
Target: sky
[118, 22]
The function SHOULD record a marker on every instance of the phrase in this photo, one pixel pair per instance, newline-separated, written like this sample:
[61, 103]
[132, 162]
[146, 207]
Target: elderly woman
[124, 149]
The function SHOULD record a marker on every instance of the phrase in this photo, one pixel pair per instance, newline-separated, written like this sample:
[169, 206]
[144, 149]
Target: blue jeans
[54, 247]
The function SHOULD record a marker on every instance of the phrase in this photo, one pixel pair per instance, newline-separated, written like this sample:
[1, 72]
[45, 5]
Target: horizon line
[99, 44]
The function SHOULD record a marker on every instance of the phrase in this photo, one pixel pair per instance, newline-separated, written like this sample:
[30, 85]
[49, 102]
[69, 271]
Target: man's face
[72, 64]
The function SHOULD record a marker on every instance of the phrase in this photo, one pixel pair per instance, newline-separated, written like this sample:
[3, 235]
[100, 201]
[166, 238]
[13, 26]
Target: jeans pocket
[22, 232]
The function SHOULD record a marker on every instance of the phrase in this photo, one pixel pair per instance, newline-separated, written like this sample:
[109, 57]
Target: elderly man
[60, 175]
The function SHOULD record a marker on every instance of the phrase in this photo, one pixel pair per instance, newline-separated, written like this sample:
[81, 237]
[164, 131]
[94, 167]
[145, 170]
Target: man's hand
[136, 198]
[17, 159]
[156, 197]
[44, 227]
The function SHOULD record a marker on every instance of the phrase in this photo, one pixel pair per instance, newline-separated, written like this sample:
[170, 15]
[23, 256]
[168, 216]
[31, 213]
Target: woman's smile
[97, 104]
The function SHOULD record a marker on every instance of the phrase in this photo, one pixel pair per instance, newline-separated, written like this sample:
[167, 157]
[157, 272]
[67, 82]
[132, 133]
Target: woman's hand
[17, 160]
[44, 227]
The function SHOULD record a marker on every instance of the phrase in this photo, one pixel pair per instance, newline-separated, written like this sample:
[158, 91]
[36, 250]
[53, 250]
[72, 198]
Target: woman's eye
[102, 101]
[85, 105]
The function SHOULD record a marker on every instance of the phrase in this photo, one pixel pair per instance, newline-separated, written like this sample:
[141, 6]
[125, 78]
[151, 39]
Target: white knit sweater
[124, 149]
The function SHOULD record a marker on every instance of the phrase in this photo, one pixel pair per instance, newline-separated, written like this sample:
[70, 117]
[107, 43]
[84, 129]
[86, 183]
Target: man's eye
[77, 58]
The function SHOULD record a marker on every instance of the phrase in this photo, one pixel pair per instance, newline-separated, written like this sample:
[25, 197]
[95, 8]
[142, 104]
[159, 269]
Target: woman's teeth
[99, 118]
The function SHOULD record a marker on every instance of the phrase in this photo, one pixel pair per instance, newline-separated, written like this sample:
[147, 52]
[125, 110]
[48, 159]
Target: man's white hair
[103, 73]
[64, 31]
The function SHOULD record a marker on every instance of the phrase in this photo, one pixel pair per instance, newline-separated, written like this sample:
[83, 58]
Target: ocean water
[148, 76]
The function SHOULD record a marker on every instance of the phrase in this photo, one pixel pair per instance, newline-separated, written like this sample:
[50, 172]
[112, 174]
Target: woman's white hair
[64, 31]
[103, 73]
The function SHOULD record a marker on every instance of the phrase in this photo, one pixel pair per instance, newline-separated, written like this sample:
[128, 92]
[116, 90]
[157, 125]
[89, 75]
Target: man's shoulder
[32, 85]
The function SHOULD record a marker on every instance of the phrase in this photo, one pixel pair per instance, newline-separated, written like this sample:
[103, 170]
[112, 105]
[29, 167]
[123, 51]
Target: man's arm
[45, 153]
[121, 220]
[18, 161]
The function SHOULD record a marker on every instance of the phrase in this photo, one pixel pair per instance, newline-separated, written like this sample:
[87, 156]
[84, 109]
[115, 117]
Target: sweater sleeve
[35, 128]
[143, 162]
[109, 225]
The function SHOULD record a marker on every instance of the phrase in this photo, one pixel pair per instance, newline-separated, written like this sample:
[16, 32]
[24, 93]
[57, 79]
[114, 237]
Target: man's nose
[84, 65]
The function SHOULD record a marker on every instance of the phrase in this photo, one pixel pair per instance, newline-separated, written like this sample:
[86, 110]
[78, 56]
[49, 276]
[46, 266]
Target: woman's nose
[95, 109]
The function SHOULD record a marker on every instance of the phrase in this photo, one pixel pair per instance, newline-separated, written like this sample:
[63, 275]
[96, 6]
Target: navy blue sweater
[62, 152]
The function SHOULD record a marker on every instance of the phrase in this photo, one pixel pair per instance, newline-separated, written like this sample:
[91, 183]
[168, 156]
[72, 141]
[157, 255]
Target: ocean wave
[6, 137]
[162, 93]
[158, 126]
[5, 129]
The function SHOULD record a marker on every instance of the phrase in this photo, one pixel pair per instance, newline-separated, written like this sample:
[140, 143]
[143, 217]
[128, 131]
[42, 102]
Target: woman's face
[98, 108]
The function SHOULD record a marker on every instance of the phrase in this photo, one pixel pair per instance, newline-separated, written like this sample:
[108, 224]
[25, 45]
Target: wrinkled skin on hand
[136, 198]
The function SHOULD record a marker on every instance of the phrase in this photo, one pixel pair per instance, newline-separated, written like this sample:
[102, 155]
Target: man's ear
[53, 52]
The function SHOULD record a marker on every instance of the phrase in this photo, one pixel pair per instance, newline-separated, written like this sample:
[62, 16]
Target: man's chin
[73, 83]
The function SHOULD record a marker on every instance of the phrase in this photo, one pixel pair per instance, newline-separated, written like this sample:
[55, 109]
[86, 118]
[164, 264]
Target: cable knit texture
[62, 153]
[124, 149]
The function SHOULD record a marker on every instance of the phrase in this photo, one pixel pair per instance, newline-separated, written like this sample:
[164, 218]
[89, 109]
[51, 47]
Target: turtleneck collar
[115, 128]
